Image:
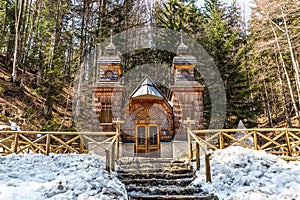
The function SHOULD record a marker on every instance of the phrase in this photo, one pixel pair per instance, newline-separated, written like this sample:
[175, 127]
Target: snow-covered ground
[57, 177]
[243, 174]
[237, 174]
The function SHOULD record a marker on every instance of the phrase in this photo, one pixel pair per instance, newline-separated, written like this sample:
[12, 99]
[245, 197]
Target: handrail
[197, 140]
[241, 130]
[284, 142]
[110, 153]
[46, 142]
[63, 133]
[206, 156]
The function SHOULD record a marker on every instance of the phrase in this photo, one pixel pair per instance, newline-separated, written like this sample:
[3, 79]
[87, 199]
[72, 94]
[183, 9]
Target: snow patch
[56, 177]
[244, 174]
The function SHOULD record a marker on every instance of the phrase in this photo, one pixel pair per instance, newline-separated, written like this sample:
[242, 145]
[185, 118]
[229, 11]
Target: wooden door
[147, 140]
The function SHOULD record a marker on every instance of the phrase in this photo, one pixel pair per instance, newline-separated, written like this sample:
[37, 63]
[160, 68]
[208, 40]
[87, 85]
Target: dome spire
[111, 37]
[182, 48]
[181, 36]
[111, 48]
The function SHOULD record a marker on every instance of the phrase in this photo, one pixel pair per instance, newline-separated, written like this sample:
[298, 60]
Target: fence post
[112, 159]
[107, 161]
[255, 140]
[207, 168]
[197, 156]
[81, 144]
[118, 130]
[190, 146]
[221, 140]
[189, 123]
[48, 144]
[118, 141]
[16, 142]
[288, 142]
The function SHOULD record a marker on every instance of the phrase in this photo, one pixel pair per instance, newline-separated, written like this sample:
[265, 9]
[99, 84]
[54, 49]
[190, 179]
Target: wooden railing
[25, 142]
[284, 142]
[110, 151]
[206, 156]
[199, 144]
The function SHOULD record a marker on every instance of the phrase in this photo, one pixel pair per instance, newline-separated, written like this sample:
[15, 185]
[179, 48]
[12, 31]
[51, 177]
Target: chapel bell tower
[109, 91]
[187, 94]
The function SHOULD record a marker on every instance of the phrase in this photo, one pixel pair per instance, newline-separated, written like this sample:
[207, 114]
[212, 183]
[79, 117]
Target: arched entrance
[148, 120]
[147, 140]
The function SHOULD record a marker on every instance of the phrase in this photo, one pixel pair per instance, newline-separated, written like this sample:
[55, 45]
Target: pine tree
[274, 64]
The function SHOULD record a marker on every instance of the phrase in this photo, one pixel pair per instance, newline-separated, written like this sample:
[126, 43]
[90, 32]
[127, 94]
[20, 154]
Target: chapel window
[106, 113]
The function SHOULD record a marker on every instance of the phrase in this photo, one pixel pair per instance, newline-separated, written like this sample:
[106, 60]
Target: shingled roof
[147, 87]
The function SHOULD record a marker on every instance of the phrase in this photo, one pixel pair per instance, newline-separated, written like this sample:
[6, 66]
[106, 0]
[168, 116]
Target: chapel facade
[153, 124]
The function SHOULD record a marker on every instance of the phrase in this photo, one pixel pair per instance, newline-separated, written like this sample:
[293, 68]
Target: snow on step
[174, 197]
[157, 178]
[155, 181]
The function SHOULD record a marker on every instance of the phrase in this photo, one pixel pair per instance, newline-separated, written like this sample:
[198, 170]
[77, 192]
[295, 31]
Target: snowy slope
[243, 174]
[57, 177]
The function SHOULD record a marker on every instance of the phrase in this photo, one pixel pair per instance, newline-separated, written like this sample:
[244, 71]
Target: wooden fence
[25, 142]
[284, 142]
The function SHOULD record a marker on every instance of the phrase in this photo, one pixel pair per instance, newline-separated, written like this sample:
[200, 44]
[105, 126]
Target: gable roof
[147, 87]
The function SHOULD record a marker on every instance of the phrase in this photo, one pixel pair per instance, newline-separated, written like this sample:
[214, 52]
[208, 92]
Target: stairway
[159, 178]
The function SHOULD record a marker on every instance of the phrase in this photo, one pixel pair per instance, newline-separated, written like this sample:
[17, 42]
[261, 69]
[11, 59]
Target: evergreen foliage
[259, 65]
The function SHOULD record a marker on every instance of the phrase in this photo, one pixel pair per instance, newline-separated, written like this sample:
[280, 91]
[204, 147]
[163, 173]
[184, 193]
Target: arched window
[185, 74]
[109, 75]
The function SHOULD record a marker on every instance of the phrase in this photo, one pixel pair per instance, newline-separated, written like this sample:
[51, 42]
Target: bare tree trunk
[294, 63]
[286, 75]
[268, 105]
[288, 120]
[3, 30]
[26, 42]
[17, 24]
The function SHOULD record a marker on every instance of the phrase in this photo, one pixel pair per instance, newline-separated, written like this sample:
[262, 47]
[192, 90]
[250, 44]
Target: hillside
[25, 105]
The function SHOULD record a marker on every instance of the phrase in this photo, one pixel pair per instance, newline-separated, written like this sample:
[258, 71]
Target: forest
[44, 42]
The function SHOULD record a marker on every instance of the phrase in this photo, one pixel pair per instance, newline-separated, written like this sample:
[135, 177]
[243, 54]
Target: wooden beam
[255, 142]
[207, 167]
[236, 141]
[112, 159]
[16, 143]
[188, 122]
[48, 144]
[221, 140]
[287, 137]
[118, 129]
[30, 144]
[197, 156]
[64, 144]
[271, 141]
[81, 144]
[107, 154]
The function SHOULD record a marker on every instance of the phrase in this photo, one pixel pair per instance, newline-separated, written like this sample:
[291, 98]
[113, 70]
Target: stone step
[124, 171]
[128, 160]
[172, 197]
[141, 166]
[156, 182]
[164, 190]
[159, 178]
[146, 175]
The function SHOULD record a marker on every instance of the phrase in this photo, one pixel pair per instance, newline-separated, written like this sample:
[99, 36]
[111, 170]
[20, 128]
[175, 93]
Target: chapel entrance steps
[159, 178]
